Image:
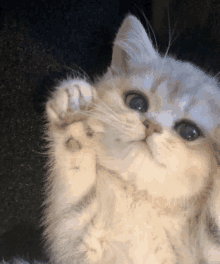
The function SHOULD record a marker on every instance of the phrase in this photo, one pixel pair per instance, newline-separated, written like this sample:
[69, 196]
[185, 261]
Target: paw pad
[73, 145]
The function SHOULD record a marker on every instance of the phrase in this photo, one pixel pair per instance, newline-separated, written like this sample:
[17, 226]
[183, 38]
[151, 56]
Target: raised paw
[70, 96]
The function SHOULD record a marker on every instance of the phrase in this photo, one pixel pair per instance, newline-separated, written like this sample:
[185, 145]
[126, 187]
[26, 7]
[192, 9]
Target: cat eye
[136, 101]
[187, 130]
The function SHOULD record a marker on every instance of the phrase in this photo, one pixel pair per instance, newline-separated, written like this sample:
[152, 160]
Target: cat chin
[162, 181]
[182, 175]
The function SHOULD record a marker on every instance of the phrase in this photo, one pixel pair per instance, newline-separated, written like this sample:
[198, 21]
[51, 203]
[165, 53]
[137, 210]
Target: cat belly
[133, 232]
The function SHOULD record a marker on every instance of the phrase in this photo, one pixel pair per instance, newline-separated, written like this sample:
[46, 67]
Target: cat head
[161, 118]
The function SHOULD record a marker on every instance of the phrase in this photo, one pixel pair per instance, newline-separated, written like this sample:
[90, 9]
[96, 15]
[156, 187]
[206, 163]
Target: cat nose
[152, 127]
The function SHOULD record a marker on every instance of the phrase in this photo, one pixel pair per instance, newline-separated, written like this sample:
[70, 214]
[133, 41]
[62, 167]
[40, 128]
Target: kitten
[134, 161]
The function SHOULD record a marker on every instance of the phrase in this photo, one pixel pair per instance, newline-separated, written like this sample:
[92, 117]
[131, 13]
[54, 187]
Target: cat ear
[131, 46]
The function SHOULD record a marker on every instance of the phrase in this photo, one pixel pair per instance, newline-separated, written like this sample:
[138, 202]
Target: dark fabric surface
[42, 42]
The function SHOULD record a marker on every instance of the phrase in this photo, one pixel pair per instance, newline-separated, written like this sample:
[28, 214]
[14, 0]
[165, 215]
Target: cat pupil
[137, 102]
[188, 131]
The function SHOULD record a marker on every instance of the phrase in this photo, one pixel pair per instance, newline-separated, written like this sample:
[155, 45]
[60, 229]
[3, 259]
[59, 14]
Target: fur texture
[134, 161]
[19, 260]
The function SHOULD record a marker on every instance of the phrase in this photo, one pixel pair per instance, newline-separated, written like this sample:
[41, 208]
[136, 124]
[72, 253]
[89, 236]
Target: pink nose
[152, 127]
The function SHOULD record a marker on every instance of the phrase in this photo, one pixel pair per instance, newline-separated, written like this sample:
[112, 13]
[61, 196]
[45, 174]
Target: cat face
[160, 118]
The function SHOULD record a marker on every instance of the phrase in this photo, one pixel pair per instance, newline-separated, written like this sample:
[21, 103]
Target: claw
[75, 97]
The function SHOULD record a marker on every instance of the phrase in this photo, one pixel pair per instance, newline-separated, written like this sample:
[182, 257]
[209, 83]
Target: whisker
[149, 25]
[108, 108]
[110, 116]
[169, 44]
[110, 122]
[113, 115]
[84, 73]
[217, 75]
[106, 117]
[171, 40]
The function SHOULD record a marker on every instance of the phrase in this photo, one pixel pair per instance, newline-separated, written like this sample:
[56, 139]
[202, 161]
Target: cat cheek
[200, 165]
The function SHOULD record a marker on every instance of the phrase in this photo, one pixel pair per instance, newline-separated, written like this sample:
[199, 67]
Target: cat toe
[57, 107]
[80, 94]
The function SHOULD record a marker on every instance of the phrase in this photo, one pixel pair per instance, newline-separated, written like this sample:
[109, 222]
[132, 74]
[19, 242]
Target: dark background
[44, 41]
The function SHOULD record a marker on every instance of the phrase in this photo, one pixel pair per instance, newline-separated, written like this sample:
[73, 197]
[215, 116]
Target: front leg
[71, 184]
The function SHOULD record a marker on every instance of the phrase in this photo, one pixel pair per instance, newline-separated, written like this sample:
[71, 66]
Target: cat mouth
[150, 152]
[146, 146]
